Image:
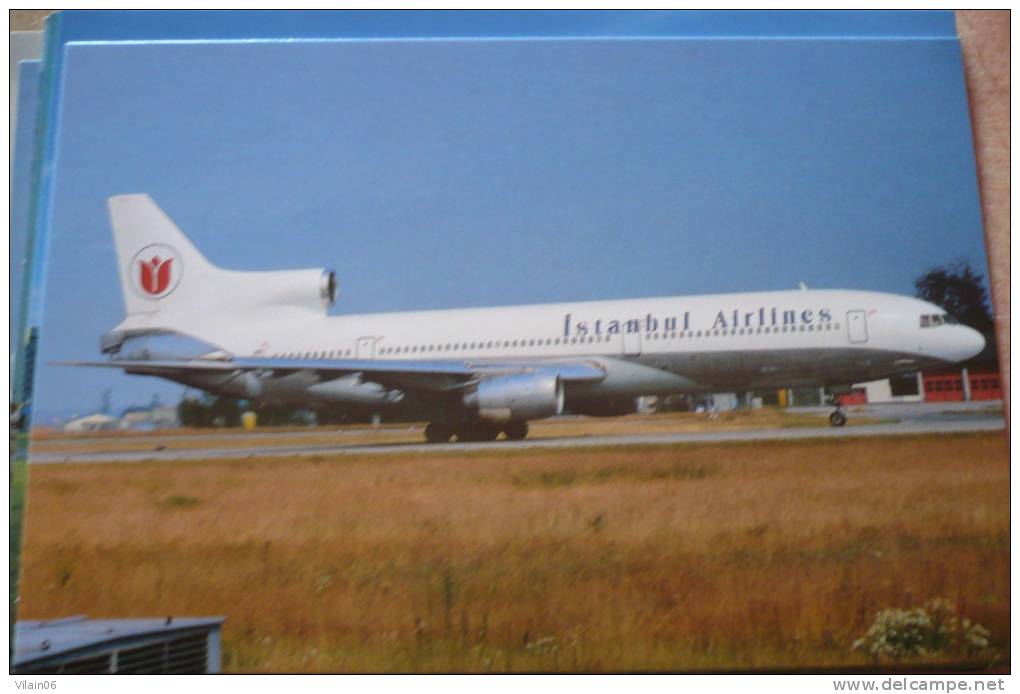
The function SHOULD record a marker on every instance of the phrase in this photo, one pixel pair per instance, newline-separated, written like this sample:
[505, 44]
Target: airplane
[266, 337]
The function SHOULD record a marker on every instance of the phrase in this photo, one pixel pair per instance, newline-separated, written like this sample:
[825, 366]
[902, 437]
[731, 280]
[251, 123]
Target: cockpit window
[931, 320]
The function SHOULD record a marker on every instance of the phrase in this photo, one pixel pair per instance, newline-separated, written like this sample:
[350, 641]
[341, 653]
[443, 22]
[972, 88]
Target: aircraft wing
[439, 375]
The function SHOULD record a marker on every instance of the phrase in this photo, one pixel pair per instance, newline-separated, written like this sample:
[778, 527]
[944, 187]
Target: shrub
[932, 630]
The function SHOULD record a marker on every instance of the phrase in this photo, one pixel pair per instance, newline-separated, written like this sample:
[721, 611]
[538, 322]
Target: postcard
[511, 342]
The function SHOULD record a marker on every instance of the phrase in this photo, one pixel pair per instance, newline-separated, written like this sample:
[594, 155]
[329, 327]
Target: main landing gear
[441, 432]
[837, 418]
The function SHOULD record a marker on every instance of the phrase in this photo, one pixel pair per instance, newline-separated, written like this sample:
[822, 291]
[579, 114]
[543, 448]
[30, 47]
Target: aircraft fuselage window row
[549, 342]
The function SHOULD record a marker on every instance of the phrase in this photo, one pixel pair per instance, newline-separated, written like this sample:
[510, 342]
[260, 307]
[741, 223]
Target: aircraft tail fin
[157, 261]
[168, 284]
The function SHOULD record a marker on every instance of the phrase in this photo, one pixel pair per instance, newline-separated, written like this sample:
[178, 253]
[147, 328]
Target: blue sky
[441, 174]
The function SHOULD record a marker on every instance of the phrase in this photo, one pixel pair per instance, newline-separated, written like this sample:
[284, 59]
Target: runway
[910, 422]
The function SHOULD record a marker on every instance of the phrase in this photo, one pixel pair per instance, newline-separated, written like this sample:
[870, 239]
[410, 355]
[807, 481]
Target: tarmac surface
[904, 420]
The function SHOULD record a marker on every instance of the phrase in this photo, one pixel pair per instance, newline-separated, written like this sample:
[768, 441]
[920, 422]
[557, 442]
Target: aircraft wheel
[438, 433]
[837, 419]
[515, 431]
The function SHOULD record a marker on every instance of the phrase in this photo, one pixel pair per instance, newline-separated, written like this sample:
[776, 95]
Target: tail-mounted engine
[312, 289]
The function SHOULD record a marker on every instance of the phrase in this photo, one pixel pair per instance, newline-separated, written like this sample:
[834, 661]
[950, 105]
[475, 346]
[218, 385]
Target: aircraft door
[366, 348]
[857, 326]
[632, 344]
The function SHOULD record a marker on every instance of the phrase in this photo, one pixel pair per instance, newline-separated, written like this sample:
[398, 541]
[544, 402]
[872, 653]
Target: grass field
[685, 557]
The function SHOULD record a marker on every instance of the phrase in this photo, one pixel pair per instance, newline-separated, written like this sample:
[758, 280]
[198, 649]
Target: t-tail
[169, 286]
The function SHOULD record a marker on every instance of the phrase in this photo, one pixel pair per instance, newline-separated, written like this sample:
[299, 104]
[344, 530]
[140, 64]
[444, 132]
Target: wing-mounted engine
[516, 397]
[354, 390]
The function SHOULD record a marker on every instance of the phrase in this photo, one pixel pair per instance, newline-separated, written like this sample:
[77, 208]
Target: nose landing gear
[837, 418]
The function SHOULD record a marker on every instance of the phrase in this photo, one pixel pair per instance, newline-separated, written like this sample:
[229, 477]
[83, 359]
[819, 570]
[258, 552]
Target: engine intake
[517, 396]
[329, 288]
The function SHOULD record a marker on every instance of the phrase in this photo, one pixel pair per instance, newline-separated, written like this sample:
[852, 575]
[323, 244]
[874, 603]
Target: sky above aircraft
[447, 174]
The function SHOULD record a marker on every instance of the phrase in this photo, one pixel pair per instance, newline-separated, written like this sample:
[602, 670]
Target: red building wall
[943, 388]
[857, 396]
[985, 386]
[948, 387]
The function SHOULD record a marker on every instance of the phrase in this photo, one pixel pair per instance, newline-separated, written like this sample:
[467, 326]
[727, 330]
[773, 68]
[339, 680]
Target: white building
[92, 422]
[158, 417]
[901, 389]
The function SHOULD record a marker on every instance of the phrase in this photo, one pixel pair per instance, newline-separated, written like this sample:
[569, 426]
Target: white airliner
[266, 337]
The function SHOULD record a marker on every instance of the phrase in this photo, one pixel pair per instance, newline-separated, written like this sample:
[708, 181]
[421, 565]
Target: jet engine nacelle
[517, 396]
[352, 390]
[239, 384]
[312, 289]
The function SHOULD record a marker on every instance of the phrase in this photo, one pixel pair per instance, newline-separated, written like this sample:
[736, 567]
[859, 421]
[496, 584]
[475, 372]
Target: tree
[209, 411]
[192, 413]
[961, 292]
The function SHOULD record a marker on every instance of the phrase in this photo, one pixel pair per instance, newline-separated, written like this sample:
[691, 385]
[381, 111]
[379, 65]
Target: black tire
[438, 433]
[516, 431]
[837, 419]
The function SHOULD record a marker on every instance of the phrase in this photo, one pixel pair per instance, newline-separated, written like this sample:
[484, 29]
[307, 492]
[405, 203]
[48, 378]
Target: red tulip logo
[154, 274]
[156, 271]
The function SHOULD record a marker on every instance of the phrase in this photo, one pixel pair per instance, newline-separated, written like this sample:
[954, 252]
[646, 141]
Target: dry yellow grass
[233, 439]
[684, 557]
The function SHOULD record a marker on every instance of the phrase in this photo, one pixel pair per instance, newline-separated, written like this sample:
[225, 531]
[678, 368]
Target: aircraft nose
[969, 343]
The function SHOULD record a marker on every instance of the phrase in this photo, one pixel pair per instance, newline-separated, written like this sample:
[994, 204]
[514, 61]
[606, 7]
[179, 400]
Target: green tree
[961, 292]
[209, 411]
[192, 413]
